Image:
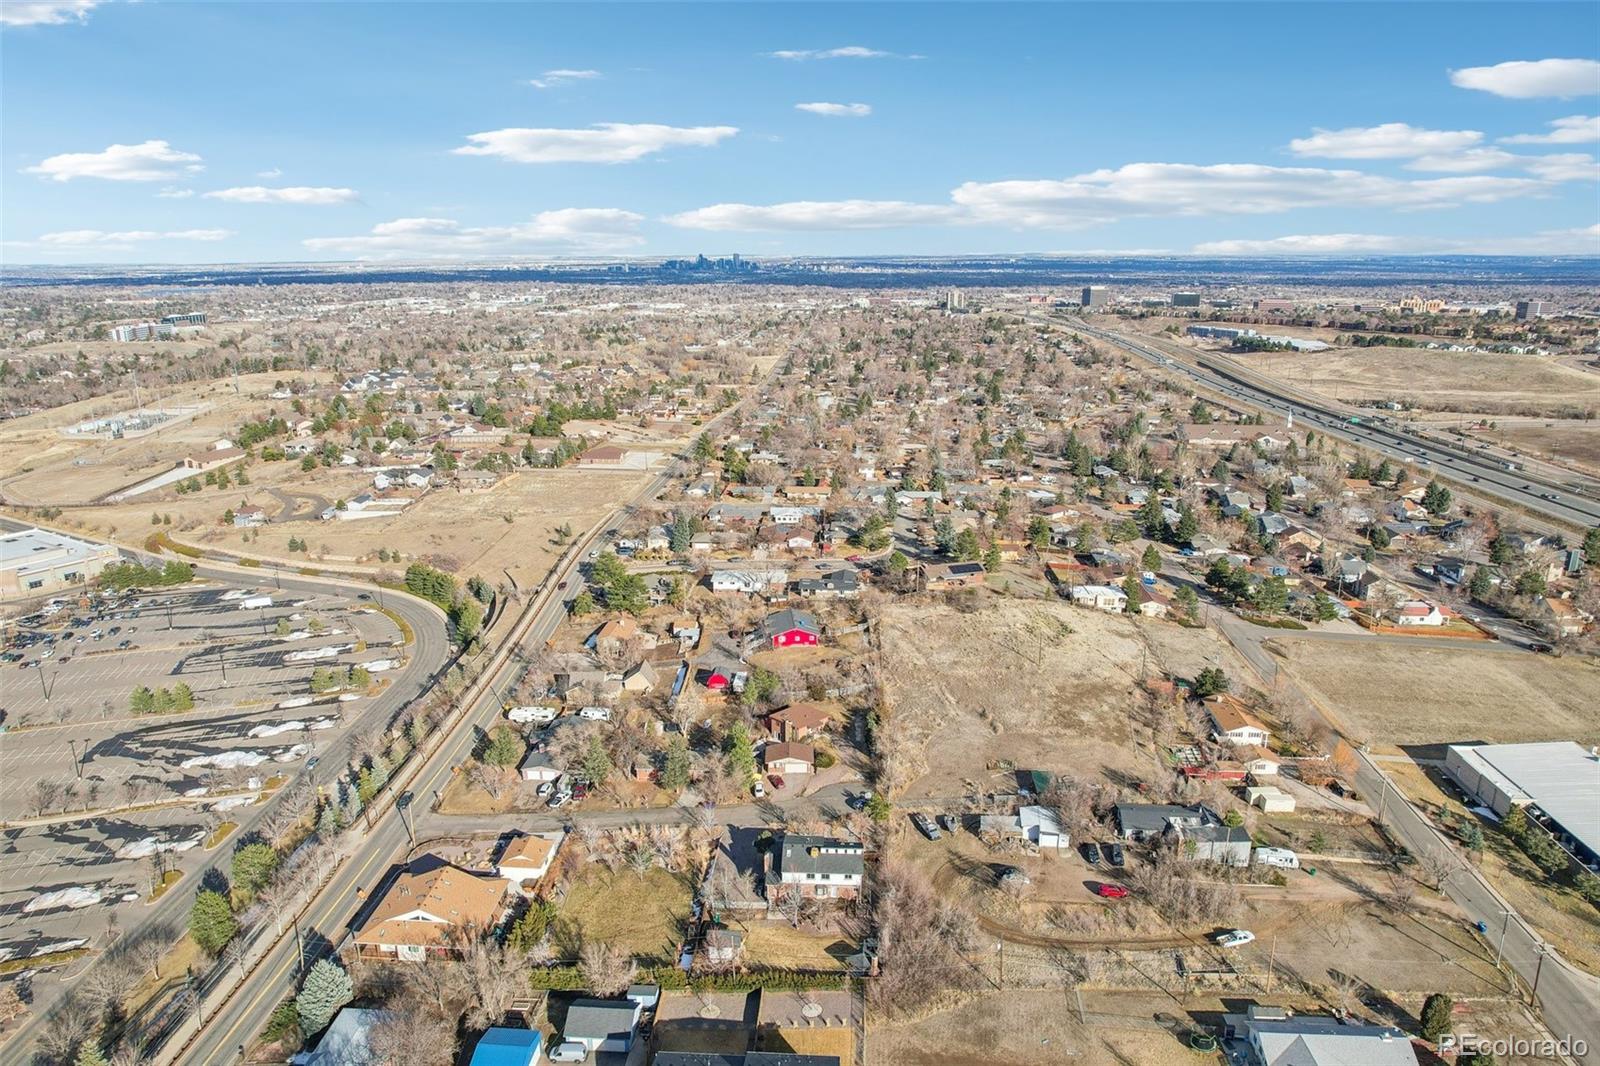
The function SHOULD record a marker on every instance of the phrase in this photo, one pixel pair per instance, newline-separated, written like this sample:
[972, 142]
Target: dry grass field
[1476, 382]
[1575, 442]
[645, 915]
[1402, 695]
[1043, 686]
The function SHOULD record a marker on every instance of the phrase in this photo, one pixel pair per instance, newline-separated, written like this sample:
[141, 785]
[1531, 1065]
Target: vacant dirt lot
[1439, 381]
[1401, 695]
[1573, 442]
[1043, 686]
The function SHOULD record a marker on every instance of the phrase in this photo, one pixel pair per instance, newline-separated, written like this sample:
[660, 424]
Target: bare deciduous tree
[607, 970]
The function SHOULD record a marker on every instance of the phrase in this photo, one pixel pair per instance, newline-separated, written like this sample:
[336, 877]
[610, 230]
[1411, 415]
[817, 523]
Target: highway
[1474, 472]
[425, 657]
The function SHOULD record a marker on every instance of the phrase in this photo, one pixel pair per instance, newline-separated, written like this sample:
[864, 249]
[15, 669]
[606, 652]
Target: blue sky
[195, 132]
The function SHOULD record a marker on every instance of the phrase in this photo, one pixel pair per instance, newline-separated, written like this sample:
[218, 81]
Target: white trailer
[255, 603]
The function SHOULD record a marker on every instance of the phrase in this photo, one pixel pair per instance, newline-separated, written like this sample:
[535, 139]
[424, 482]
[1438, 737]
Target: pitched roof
[776, 752]
[1325, 1042]
[1227, 713]
[802, 715]
[449, 896]
[600, 1019]
[809, 854]
[530, 851]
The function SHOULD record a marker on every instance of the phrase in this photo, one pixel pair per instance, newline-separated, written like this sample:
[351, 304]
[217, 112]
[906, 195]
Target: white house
[538, 768]
[527, 858]
[1100, 597]
[1232, 724]
[1419, 613]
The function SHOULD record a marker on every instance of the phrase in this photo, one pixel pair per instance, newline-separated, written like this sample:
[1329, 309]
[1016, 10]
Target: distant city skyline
[234, 133]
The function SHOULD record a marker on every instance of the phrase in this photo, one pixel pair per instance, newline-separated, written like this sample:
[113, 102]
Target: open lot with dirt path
[1575, 442]
[1403, 695]
[1477, 382]
[1043, 686]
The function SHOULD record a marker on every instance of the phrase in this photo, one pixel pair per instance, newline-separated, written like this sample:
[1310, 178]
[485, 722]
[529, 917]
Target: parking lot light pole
[1504, 925]
[76, 766]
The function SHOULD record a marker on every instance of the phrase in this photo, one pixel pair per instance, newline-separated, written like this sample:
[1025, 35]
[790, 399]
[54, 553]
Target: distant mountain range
[912, 272]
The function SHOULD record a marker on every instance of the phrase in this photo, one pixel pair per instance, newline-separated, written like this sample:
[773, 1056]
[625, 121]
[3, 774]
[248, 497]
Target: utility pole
[1533, 995]
[1272, 958]
[1504, 925]
[73, 744]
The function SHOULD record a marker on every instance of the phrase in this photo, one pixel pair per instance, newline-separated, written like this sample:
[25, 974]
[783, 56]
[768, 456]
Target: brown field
[646, 915]
[1476, 382]
[1042, 685]
[777, 944]
[1402, 695]
[1576, 443]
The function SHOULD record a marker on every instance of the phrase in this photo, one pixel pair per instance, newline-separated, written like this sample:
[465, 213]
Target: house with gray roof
[602, 1024]
[816, 867]
[1275, 1039]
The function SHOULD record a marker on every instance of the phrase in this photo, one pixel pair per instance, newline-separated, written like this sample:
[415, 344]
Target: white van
[523, 715]
[596, 714]
[1282, 858]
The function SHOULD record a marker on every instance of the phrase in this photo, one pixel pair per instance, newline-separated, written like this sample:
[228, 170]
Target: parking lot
[73, 741]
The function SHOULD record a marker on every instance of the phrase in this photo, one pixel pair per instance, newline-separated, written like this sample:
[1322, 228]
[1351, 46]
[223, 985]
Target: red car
[776, 779]
[1111, 891]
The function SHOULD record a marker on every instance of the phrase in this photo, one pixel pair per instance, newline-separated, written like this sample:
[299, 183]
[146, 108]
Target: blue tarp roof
[507, 1047]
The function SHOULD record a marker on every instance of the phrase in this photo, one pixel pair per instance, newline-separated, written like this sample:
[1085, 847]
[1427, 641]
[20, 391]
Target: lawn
[646, 915]
[779, 945]
[838, 1042]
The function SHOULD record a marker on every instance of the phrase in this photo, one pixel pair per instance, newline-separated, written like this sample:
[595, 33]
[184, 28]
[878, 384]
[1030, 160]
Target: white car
[569, 1051]
[758, 790]
[1234, 938]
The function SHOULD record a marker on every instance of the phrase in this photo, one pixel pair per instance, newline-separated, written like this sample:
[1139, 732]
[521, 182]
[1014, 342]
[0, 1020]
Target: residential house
[1153, 604]
[537, 767]
[940, 577]
[1419, 613]
[843, 583]
[798, 721]
[816, 867]
[784, 757]
[605, 1025]
[1198, 829]
[1275, 1039]
[1106, 598]
[345, 1042]
[787, 628]
[603, 455]
[426, 908]
[751, 581]
[1033, 823]
[1232, 724]
[1559, 617]
[248, 517]
[641, 677]
[527, 858]
[719, 673]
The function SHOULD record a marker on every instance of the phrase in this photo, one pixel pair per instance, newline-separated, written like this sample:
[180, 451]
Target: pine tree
[596, 766]
[675, 764]
[327, 988]
[90, 1055]
[211, 921]
[741, 754]
[1436, 1011]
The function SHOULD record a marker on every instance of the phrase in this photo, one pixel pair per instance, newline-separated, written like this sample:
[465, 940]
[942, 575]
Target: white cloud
[606, 142]
[148, 161]
[83, 237]
[1567, 166]
[1138, 190]
[293, 194]
[1525, 80]
[550, 79]
[45, 12]
[1306, 244]
[1392, 140]
[275, 172]
[849, 51]
[1466, 161]
[573, 229]
[1580, 241]
[837, 110]
[1574, 129]
[1186, 189]
[174, 193]
[817, 215]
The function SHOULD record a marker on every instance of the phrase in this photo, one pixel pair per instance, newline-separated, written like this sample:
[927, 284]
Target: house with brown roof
[783, 757]
[426, 908]
[602, 455]
[1232, 724]
[527, 858]
[798, 721]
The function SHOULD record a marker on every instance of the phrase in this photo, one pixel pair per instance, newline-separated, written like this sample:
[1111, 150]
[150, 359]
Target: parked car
[560, 799]
[569, 1051]
[758, 790]
[776, 780]
[1105, 891]
[1234, 938]
[925, 825]
[1114, 855]
[544, 789]
[1091, 854]
[123, 644]
[947, 822]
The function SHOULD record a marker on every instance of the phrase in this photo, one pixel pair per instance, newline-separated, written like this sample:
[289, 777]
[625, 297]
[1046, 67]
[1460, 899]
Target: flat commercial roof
[1559, 777]
[31, 549]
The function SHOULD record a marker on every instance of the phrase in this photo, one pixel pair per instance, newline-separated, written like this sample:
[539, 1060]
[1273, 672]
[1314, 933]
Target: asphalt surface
[1472, 471]
[426, 656]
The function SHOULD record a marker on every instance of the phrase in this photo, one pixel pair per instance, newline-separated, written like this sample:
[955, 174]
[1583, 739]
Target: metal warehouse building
[34, 562]
[1558, 783]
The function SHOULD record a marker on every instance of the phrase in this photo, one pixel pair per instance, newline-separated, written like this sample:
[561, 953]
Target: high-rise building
[1095, 296]
[1527, 309]
[192, 318]
[955, 300]
[1185, 299]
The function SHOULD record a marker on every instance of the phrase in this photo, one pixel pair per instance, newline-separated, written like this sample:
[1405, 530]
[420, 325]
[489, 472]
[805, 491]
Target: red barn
[788, 628]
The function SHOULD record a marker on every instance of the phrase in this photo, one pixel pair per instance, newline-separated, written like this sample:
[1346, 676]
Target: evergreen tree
[1436, 498]
[596, 766]
[1131, 589]
[675, 764]
[90, 1054]
[1151, 559]
[1436, 1011]
[503, 748]
[211, 921]
[741, 754]
[253, 866]
[327, 988]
